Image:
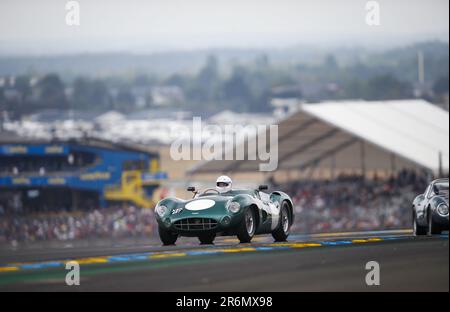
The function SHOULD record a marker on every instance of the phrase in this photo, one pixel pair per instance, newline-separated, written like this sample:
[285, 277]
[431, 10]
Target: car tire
[167, 237]
[247, 227]
[433, 229]
[417, 229]
[207, 239]
[282, 232]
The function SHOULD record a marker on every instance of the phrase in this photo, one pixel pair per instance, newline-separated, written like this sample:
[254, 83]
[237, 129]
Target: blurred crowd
[346, 203]
[355, 203]
[113, 222]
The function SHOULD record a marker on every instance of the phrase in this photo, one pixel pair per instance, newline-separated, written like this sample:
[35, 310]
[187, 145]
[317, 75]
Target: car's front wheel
[282, 231]
[247, 228]
[167, 237]
[207, 239]
[418, 230]
[433, 228]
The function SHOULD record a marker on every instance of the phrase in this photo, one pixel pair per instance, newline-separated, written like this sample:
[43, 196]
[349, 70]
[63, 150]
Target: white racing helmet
[224, 184]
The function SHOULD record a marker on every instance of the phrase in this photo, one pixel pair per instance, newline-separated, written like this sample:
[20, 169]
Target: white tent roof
[414, 132]
[413, 129]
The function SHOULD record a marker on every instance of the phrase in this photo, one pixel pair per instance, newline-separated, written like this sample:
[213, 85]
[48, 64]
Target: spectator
[124, 221]
[353, 203]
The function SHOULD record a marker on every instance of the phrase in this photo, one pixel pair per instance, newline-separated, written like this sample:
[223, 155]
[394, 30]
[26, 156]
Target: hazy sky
[38, 26]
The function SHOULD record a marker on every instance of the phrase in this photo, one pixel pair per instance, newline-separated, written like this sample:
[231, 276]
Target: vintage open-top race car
[430, 209]
[236, 212]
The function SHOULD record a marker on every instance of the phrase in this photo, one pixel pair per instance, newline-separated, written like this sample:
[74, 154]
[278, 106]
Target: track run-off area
[318, 262]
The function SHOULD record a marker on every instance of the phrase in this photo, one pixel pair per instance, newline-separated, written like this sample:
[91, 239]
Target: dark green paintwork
[246, 198]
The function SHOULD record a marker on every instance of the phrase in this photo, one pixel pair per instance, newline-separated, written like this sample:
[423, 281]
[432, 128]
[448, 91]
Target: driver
[224, 184]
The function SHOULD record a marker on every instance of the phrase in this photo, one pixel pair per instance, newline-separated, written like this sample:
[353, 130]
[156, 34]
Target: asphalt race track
[323, 262]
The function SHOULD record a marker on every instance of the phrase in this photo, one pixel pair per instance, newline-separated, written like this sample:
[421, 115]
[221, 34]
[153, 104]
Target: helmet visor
[223, 184]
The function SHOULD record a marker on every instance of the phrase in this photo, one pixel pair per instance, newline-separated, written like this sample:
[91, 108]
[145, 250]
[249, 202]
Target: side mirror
[263, 188]
[191, 189]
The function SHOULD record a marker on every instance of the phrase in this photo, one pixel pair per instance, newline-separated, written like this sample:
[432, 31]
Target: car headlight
[161, 210]
[233, 207]
[442, 209]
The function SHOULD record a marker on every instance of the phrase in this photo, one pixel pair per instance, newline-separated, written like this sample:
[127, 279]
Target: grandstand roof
[373, 135]
[12, 138]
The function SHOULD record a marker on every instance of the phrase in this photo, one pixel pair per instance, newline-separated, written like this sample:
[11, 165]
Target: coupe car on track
[244, 213]
[430, 209]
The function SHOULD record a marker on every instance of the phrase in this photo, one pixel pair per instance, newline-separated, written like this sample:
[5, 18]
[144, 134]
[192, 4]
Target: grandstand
[53, 175]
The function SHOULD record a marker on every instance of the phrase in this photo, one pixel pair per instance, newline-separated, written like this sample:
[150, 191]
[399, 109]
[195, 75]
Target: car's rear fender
[281, 197]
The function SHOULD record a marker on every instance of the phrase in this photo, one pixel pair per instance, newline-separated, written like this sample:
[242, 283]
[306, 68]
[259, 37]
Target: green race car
[244, 213]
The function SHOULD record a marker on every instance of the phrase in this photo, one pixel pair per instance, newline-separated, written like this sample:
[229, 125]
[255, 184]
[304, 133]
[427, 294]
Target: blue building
[73, 175]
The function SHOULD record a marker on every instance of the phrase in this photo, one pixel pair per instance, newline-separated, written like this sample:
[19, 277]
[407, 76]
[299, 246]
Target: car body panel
[427, 203]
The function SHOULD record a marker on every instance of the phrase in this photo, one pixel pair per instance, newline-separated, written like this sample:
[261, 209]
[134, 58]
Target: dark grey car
[430, 209]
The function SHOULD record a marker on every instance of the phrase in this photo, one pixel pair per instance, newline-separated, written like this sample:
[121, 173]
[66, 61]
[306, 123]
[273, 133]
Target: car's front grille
[193, 224]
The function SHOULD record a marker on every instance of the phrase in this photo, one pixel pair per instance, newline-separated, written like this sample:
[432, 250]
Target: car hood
[206, 202]
[207, 207]
[437, 199]
[445, 198]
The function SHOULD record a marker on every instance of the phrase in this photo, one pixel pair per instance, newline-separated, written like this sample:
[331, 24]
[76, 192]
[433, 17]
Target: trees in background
[51, 93]
[88, 93]
[240, 86]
